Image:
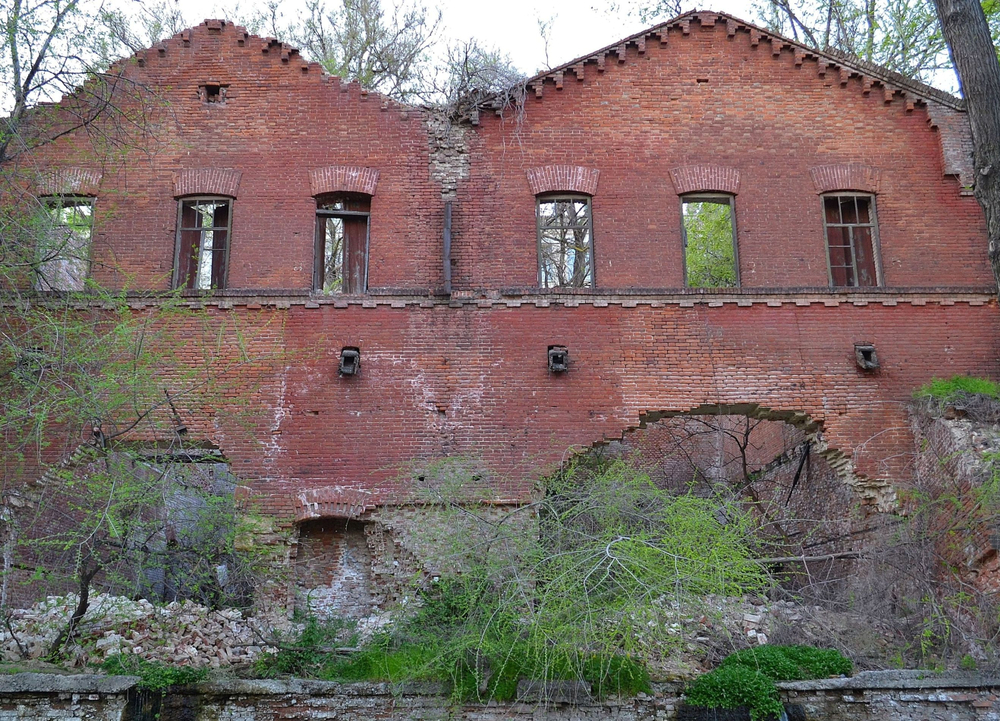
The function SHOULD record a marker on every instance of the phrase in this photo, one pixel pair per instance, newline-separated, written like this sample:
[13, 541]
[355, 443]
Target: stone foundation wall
[881, 695]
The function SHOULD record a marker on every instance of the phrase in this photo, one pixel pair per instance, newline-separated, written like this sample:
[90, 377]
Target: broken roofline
[833, 58]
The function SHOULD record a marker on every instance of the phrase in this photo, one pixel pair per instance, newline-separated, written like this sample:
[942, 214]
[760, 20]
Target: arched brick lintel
[69, 181]
[332, 502]
[563, 179]
[207, 181]
[848, 176]
[705, 178]
[343, 179]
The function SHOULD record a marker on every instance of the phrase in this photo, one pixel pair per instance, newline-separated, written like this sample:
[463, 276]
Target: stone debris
[178, 633]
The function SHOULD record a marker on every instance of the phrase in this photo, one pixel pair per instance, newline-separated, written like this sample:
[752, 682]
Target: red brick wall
[469, 377]
[757, 113]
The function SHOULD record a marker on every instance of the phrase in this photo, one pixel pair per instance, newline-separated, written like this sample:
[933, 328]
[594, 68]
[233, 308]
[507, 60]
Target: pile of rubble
[184, 634]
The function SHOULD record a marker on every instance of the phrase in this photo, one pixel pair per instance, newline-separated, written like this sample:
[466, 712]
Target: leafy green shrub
[153, 675]
[746, 678]
[948, 389]
[735, 686]
[791, 663]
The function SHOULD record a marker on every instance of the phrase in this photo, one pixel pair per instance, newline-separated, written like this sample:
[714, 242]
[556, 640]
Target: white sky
[578, 26]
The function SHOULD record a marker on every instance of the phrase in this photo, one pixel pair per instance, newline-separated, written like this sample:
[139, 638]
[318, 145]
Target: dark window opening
[565, 242]
[63, 251]
[851, 240]
[709, 235]
[213, 93]
[203, 243]
[341, 262]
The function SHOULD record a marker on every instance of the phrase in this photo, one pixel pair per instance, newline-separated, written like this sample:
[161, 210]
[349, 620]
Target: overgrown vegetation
[573, 587]
[746, 678]
[153, 676]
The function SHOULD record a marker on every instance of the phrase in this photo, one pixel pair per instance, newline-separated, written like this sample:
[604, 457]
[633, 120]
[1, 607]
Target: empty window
[202, 243]
[63, 252]
[709, 234]
[851, 240]
[565, 242]
[341, 264]
[213, 93]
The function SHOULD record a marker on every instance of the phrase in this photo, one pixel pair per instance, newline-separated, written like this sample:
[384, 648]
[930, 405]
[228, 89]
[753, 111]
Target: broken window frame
[356, 286]
[589, 278]
[872, 225]
[719, 199]
[218, 277]
[69, 270]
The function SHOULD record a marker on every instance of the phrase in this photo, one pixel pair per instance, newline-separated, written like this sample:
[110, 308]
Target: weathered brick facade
[704, 103]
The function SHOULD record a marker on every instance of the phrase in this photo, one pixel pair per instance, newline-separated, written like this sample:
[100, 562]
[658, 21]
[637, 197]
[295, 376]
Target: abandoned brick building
[519, 282]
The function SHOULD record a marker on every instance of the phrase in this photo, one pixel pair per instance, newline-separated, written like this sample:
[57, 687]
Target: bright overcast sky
[578, 26]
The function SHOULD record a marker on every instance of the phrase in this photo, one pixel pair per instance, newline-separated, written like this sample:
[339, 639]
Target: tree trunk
[968, 36]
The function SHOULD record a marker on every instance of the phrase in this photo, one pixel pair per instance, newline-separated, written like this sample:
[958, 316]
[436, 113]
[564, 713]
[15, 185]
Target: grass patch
[946, 390]
[154, 676]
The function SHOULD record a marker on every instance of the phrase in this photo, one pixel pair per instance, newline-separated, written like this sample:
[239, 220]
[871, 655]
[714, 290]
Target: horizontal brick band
[343, 179]
[705, 178]
[69, 181]
[563, 178]
[850, 176]
[207, 181]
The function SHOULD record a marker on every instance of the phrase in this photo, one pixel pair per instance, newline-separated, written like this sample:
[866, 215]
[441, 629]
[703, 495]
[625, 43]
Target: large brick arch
[874, 492]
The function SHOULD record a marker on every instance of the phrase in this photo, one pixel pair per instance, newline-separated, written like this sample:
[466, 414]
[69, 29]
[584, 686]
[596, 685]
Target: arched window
[851, 240]
[565, 241]
[203, 229]
[341, 257]
[708, 229]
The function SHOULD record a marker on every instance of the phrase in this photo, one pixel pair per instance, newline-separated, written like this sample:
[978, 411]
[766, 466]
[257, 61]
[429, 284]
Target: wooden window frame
[730, 200]
[573, 197]
[319, 247]
[181, 283]
[876, 241]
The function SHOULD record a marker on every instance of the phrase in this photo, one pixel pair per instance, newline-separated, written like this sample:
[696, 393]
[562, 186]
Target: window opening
[63, 253]
[213, 93]
[709, 234]
[565, 242]
[341, 264]
[203, 243]
[851, 240]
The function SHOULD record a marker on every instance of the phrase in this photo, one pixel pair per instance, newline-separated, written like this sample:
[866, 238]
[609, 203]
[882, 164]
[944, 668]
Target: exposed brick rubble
[184, 634]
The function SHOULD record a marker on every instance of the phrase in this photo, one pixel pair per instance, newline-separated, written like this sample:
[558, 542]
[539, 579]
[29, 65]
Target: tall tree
[973, 51]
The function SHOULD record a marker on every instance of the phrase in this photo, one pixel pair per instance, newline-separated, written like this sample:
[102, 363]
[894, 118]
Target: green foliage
[153, 676]
[709, 256]
[736, 686]
[946, 390]
[307, 651]
[573, 587]
[792, 663]
[746, 678]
